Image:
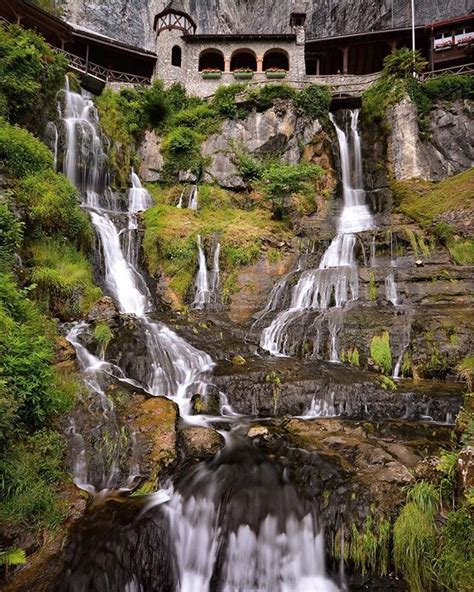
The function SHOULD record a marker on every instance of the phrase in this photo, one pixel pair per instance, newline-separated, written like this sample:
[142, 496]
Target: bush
[462, 251]
[31, 73]
[269, 93]
[381, 353]
[314, 101]
[403, 62]
[11, 232]
[29, 474]
[181, 151]
[28, 377]
[450, 87]
[224, 101]
[50, 207]
[281, 181]
[63, 280]
[201, 118]
[443, 233]
[103, 335]
[22, 153]
[454, 565]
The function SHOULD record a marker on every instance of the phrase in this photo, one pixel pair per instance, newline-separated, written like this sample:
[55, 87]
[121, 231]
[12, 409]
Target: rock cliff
[132, 20]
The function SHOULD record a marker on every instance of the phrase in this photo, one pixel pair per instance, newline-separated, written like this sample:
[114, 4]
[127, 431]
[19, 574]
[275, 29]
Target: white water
[193, 198]
[391, 289]
[207, 282]
[176, 367]
[335, 282]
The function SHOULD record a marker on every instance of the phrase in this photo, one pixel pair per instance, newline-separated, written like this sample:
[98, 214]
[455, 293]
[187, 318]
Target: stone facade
[180, 55]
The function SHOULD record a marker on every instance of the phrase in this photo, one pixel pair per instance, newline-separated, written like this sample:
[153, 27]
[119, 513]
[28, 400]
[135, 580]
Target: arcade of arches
[243, 59]
[363, 58]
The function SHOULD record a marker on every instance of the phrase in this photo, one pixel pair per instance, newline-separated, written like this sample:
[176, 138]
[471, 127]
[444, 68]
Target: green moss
[462, 251]
[381, 353]
[103, 335]
[423, 201]
[372, 287]
[387, 383]
[63, 279]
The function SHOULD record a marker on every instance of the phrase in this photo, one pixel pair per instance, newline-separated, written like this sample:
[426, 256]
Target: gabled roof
[174, 7]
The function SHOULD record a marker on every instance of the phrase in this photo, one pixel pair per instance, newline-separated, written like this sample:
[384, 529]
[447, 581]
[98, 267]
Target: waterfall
[207, 282]
[391, 289]
[335, 282]
[181, 198]
[193, 198]
[176, 369]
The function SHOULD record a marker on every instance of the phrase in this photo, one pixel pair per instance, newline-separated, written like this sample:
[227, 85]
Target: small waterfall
[181, 198]
[404, 345]
[138, 197]
[193, 198]
[207, 282]
[391, 289]
[335, 282]
[202, 278]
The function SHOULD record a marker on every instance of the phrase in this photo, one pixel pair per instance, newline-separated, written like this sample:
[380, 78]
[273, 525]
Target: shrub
[31, 73]
[280, 181]
[450, 87]
[381, 353]
[443, 233]
[454, 564]
[201, 118]
[269, 93]
[27, 374]
[465, 370]
[224, 101]
[181, 151]
[22, 153]
[462, 251]
[49, 205]
[403, 62]
[63, 280]
[314, 101]
[29, 473]
[10, 236]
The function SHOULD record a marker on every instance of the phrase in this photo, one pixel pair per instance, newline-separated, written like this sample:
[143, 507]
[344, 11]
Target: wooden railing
[84, 66]
[455, 70]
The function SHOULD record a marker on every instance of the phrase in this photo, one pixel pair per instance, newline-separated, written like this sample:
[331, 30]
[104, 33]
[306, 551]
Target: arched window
[176, 56]
[211, 59]
[243, 58]
[276, 58]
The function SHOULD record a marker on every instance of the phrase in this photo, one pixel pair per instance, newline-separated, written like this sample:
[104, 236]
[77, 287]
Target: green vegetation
[427, 202]
[414, 536]
[314, 101]
[397, 82]
[465, 370]
[372, 287]
[21, 152]
[181, 151]
[62, 279]
[103, 335]
[31, 73]
[11, 235]
[171, 234]
[351, 356]
[369, 547]
[381, 353]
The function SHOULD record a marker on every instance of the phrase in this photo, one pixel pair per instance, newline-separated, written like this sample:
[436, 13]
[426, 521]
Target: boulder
[103, 310]
[151, 158]
[201, 442]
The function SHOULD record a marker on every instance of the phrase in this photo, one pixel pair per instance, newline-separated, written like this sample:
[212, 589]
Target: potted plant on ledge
[275, 73]
[243, 73]
[211, 73]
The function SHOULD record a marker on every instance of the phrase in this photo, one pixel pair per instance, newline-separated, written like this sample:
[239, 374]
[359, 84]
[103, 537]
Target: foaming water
[207, 281]
[335, 282]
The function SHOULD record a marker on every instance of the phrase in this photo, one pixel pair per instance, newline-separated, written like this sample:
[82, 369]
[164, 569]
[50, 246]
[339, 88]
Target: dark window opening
[176, 56]
[211, 59]
[276, 59]
[243, 59]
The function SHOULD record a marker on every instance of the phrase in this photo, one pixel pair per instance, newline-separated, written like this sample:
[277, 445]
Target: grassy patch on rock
[171, 233]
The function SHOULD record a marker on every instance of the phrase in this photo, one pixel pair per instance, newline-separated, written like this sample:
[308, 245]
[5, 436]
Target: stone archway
[243, 58]
[276, 58]
[212, 59]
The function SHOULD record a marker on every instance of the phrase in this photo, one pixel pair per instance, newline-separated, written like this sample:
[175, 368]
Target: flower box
[243, 74]
[275, 73]
[211, 74]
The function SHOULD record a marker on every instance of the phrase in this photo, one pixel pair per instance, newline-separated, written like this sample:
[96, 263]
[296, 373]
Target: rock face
[446, 149]
[132, 20]
[276, 131]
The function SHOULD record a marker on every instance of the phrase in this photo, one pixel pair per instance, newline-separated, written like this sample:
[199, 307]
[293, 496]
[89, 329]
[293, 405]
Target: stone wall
[190, 76]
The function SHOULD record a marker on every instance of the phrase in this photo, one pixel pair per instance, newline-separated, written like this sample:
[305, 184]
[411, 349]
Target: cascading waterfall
[193, 198]
[207, 282]
[176, 370]
[335, 282]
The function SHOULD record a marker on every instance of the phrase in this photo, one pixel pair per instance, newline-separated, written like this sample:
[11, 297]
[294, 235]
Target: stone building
[204, 62]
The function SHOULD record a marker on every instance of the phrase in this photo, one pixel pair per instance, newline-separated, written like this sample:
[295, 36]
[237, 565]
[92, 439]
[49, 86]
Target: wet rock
[63, 350]
[238, 361]
[201, 442]
[258, 432]
[154, 421]
[205, 405]
[466, 468]
[151, 159]
[103, 310]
